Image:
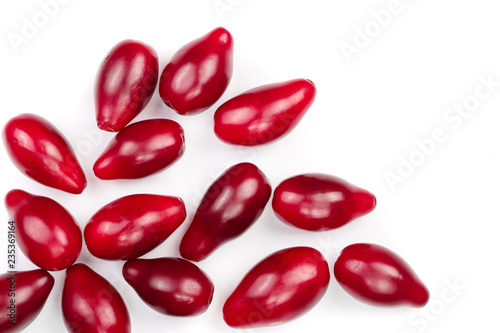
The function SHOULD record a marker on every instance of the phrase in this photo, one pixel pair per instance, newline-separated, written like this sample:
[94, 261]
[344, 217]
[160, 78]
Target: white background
[368, 114]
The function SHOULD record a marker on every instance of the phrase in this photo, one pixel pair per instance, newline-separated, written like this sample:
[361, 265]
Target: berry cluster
[283, 286]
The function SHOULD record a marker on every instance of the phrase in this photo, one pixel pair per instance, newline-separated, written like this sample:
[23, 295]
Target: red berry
[40, 152]
[125, 84]
[171, 286]
[46, 232]
[22, 297]
[199, 73]
[230, 206]
[376, 275]
[320, 202]
[264, 114]
[131, 226]
[141, 149]
[91, 304]
[282, 287]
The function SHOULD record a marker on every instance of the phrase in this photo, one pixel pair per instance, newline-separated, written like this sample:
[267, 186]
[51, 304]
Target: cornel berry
[320, 202]
[230, 206]
[29, 290]
[91, 304]
[46, 232]
[41, 152]
[376, 275]
[280, 288]
[131, 226]
[125, 84]
[171, 286]
[199, 73]
[264, 114]
[141, 149]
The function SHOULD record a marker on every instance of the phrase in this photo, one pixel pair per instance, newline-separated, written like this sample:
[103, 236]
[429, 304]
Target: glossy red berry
[22, 297]
[199, 73]
[376, 275]
[125, 84]
[320, 202]
[282, 287]
[141, 149]
[264, 114]
[230, 206]
[131, 226]
[171, 286]
[45, 231]
[91, 304]
[40, 151]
